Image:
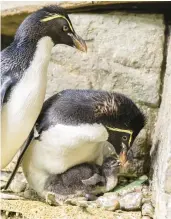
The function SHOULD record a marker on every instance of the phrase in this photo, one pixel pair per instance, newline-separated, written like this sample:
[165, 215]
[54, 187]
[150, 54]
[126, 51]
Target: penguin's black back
[15, 59]
[74, 107]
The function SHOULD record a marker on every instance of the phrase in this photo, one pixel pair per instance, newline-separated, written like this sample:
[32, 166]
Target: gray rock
[10, 196]
[109, 202]
[125, 53]
[31, 194]
[146, 217]
[161, 150]
[131, 201]
[167, 185]
[135, 168]
[18, 184]
[147, 209]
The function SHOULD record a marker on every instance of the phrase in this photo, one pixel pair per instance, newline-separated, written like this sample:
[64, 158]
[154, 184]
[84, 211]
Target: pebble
[148, 209]
[10, 196]
[110, 202]
[146, 192]
[116, 205]
[30, 194]
[78, 201]
[146, 217]
[18, 185]
[90, 197]
[131, 201]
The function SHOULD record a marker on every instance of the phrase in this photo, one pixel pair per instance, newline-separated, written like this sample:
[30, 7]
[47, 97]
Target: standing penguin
[73, 127]
[24, 73]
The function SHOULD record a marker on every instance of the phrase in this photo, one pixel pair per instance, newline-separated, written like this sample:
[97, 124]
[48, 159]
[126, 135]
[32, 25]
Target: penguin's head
[123, 121]
[51, 21]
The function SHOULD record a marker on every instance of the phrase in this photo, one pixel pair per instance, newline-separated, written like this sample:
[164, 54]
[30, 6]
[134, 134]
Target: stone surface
[29, 6]
[161, 150]
[125, 53]
[131, 201]
[35, 210]
[18, 185]
[147, 209]
[108, 202]
[167, 184]
[146, 217]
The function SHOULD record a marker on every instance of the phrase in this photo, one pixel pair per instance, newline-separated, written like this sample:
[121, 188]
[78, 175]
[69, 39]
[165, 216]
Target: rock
[139, 144]
[31, 194]
[80, 201]
[18, 185]
[131, 201]
[146, 217]
[39, 210]
[168, 178]
[130, 64]
[51, 199]
[135, 167]
[10, 196]
[146, 191]
[90, 197]
[147, 194]
[116, 205]
[109, 202]
[148, 209]
[161, 149]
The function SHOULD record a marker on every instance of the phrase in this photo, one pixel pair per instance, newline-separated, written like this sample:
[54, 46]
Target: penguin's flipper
[20, 158]
[5, 85]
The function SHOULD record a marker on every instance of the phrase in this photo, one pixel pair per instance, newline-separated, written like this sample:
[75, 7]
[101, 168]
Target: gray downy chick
[85, 180]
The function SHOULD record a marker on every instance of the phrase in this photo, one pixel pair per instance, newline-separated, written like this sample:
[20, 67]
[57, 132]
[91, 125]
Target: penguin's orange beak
[78, 42]
[123, 157]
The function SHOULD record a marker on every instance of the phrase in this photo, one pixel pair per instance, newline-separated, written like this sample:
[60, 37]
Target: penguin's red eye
[124, 138]
[65, 28]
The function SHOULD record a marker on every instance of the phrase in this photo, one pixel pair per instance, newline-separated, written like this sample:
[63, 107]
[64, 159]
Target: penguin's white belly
[62, 147]
[19, 114]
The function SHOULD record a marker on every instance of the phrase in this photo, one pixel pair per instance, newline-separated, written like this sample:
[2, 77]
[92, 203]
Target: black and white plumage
[24, 73]
[73, 127]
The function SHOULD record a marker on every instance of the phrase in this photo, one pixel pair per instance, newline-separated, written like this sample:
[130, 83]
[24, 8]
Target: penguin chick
[73, 127]
[24, 73]
[83, 179]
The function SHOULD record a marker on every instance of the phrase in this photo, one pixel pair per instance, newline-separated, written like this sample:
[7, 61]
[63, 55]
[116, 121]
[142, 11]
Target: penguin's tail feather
[20, 158]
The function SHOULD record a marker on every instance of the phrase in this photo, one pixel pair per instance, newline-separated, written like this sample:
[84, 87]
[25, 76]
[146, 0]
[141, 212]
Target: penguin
[86, 179]
[73, 127]
[24, 66]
